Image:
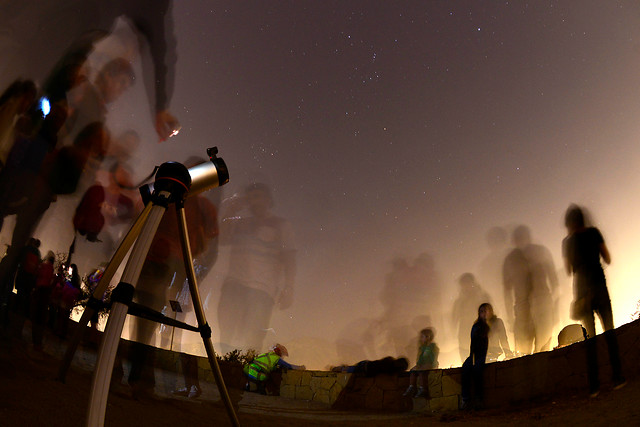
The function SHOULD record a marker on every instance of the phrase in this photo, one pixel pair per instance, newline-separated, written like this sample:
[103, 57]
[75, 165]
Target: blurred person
[163, 276]
[122, 147]
[58, 172]
[490, 267]
[25, 281]
[100, 214]
[470, 296]
[88, 100]
[67, 291]
[152, 25]
[15, 102]
[428, 285]
[180, 292]
[530, 286]
[582, 250]
[396, 316]
[262, 267]
[102, 206]
[260, 368]
[47, 170]
[40, 299]
[29, 164]
[498, 341]
[473, 366]
[357, 339]
[410, 290]
[427, 359]
[387, 365]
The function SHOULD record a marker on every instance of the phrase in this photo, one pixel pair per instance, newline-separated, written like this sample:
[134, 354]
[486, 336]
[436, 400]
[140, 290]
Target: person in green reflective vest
[259, 369]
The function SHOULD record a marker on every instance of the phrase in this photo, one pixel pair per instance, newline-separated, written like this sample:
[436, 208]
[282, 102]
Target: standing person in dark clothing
[473, 367]
[582, 250]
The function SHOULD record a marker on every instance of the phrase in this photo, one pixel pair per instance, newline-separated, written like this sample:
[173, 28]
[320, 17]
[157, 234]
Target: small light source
[45, 106]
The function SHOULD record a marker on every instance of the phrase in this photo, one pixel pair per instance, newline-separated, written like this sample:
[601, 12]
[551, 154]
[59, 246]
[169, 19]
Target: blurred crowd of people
[54, 142]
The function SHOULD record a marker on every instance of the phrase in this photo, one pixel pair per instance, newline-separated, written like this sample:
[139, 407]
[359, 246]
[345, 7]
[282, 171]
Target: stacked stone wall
[542, 375]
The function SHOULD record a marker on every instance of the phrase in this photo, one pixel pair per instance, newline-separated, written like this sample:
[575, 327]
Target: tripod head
[181, 182]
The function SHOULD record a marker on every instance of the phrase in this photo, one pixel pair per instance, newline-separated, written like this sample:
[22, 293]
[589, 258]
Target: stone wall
[546, 374]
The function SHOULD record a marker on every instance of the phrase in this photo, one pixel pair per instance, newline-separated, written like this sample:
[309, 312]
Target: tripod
[172, 185]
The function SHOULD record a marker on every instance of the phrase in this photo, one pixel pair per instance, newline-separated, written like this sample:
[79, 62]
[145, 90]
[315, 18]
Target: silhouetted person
[582, 249]
[471, 295]
[498, 341]
[530, 281]
[473, 366]
[262, 267]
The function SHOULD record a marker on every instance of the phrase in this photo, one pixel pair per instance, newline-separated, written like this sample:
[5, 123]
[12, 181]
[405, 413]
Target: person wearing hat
[260, 368]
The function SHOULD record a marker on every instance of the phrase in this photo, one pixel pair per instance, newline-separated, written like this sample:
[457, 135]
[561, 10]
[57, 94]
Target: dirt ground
[30, 396]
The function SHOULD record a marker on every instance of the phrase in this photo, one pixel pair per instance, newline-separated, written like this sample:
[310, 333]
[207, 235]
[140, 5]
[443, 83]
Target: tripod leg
[98, 293]
[111, 338]
[205, 330]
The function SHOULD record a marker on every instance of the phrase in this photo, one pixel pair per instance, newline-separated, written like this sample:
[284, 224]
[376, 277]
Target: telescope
[173, 184]
[175, 177]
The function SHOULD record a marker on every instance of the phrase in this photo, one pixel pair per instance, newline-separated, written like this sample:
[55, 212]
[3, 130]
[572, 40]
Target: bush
[237, 356]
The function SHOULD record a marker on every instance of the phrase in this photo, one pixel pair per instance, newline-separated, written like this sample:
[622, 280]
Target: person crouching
[259, 369]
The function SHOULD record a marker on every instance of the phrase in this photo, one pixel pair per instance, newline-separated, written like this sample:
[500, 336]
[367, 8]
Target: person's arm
[503, 339]
[604, 252]
[284, 364]
[154, 21]
[565, 256]
[550, 269]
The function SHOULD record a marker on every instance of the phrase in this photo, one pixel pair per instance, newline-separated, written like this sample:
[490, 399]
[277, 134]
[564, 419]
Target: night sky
[390, 129]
